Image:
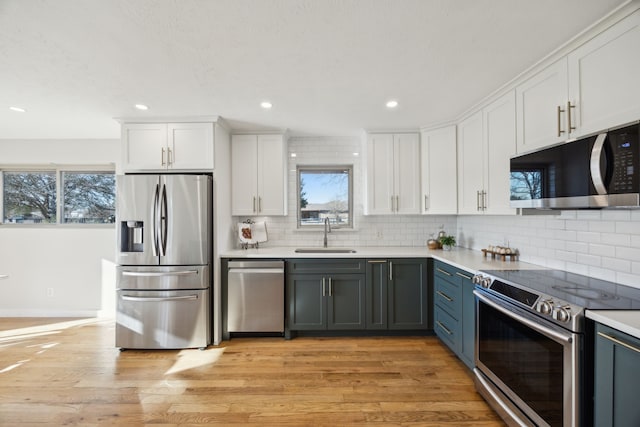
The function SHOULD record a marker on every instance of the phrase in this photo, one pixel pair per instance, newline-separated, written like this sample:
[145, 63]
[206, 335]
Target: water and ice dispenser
[131, 233]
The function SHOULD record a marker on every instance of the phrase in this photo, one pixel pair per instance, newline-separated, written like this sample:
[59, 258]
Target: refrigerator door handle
[157, 299]
[156, 199]
[164, 220]
[158, 274]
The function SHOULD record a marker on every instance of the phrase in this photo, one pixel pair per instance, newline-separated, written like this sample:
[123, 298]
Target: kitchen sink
[325, 251]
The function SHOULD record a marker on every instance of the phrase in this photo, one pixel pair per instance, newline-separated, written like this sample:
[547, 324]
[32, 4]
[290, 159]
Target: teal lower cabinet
[454, 310]
[325, 295]
[357, 294]
[617, 378]
[397, 294]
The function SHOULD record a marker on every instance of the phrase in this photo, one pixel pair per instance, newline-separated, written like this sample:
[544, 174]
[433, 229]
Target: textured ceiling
[328, 66]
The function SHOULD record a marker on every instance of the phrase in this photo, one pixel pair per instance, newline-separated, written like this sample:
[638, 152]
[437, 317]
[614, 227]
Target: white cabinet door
[470, 164]
[542, 108]
[144, 146]
[406, 160]
[604, 77]
[244, 175]
[499, 146]
[258, 175]
[190, 145]
[439, 172]
[380, 187]
[272, 172]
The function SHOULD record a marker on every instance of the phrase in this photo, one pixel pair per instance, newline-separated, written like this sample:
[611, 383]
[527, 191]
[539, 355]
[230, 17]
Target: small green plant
[448, 241]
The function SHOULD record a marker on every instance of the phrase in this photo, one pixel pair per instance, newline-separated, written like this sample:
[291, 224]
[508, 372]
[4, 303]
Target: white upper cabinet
[499, 146]
[542, 106]
[393, 174]
[438, 171]
[167, 146]
[595, 87]
[258, 175]
[604, 77]
[486, 141]
[470, 164]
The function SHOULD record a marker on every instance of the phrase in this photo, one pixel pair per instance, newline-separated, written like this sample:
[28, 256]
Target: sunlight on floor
[191, 359]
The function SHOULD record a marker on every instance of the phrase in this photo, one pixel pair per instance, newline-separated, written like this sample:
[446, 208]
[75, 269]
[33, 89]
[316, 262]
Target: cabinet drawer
[447, 328]
[448, 296]
[322, 265]
[444, 271]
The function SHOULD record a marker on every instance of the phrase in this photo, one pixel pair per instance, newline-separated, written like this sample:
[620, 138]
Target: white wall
[600, 243]
[378, 230]
[76, 262]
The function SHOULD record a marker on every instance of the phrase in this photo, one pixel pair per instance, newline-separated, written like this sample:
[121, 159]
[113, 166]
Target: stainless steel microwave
[594, 172]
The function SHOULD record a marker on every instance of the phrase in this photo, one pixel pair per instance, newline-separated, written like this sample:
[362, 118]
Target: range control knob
[562, 313]
[476, 279]
[545, 306]
[485, 282]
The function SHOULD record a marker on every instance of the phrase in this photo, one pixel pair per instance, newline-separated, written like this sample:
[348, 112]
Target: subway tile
[616, 264]
[602, 250]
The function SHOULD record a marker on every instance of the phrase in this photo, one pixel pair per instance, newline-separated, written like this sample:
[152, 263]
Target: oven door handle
[551, 333]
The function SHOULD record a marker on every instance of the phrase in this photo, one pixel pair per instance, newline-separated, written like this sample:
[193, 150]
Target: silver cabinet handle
[162, 158]
[159, 299]
[330, 287]
[397, 203]
[463, 275]
[377, 261]
[478, 200]
[569, 125]
[443, 271]
[324, 289]
[426, 206]
[392, 204]
[445, 296]
[559, 116]
[390, 270]
[254, 203]
[484, 200]
[617, 341]
[596, 173]
[259, 204]
[159, 273]
[444, 328]
[169, 157]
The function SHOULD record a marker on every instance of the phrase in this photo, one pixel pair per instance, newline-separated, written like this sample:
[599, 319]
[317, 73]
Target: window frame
[325, 168]
[58, 169]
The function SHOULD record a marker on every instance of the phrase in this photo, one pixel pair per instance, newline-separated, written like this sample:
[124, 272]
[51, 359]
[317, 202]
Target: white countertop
[627, 321]
[465, 259]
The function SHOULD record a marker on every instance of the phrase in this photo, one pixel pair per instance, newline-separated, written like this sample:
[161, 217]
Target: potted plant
[447, 242]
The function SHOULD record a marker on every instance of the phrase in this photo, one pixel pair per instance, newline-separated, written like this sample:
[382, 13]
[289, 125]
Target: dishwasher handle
[256, 270]
[255, 264]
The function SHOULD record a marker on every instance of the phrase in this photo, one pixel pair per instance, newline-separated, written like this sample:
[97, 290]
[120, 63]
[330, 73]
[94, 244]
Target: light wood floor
[67, 372]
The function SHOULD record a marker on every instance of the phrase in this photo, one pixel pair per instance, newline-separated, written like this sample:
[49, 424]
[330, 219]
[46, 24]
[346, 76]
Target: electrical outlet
[50, 292]
[379, 235]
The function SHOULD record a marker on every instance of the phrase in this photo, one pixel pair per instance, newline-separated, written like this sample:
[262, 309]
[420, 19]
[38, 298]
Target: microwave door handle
[596, 173]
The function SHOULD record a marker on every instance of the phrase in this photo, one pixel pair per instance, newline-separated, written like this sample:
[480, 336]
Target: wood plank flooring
[68, 372]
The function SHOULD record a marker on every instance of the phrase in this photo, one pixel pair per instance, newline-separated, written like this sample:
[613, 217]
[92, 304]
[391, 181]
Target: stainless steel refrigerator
[164, 261]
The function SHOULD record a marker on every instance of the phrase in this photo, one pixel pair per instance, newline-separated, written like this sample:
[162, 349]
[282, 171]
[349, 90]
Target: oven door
[527, 368]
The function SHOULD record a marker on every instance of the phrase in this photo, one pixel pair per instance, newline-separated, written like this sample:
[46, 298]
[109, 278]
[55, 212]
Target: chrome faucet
[327, 229]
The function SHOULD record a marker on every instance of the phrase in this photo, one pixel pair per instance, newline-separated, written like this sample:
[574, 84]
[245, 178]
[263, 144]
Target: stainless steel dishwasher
[255, 296]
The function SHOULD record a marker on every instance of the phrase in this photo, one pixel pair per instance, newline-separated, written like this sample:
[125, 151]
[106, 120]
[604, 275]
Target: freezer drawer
[162, 319]
[255, 296]
[162, 278]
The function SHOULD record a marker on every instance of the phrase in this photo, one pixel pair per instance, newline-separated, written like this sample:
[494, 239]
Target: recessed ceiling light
[294, 155]
[18, 109]
[392, 103]
[142, 107]
[356, 154]
[266, 105]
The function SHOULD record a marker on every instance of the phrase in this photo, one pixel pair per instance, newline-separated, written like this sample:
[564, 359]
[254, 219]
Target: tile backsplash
[600, 243]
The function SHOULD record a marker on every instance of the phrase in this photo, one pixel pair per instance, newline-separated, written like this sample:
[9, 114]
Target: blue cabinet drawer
[447, 328]
[447, 296]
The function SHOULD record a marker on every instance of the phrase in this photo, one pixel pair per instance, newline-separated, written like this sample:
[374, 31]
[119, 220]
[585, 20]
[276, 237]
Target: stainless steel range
[530, 339]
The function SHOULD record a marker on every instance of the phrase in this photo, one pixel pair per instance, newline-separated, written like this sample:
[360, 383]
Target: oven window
[529, 363]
